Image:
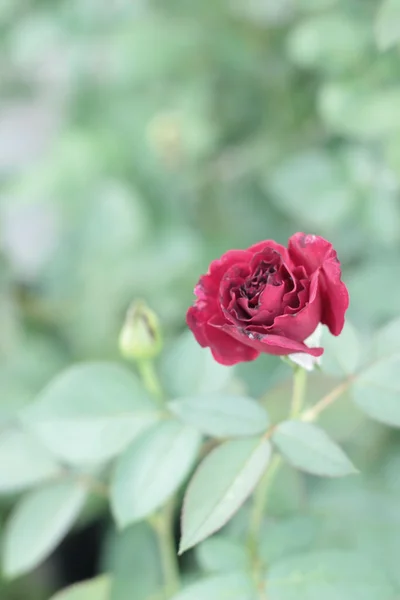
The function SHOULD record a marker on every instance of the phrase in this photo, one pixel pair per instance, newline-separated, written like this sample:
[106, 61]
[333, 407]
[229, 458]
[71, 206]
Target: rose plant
[177, 435]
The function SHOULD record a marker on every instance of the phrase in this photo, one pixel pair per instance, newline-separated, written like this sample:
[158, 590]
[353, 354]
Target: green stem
[260, 496]
[259, 504]
[162, 522]
[163, 526]
[299, 390]
[256, 518]
[150, 379]
[262, 491]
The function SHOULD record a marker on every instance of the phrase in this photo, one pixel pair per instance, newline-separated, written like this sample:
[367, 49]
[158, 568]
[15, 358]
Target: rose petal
[228, 351]
[295, 301]
[271, 299]
[256, 316]
[207, 292]
[313, 252]
[196, 318]
[269, 343]
[336, 298]
[300, 325]
[308, 251]
[225, 350]
[260, 246]
[268, 256]
[210, 282]
[231, 280]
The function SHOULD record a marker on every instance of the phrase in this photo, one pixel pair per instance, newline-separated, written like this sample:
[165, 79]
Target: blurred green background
[139, 139]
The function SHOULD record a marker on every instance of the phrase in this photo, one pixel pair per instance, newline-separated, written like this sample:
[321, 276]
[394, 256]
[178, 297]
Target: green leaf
[377, 390]
[90, 413]
[24, 462]
[364, 113]
[360, 515]
[221, 554]
[223, 481]
[152, 469]
[342, 353]
[235, 586]
[38, 523]
[132, 557]
[387, 25]
[387, 339]
[313, 5]
[313, 43]
[326, 193]
[379, 307]
[93, 589]
[198, 372]
[328, 575]
[309, 448]
[383, 219]
[222, 416]
[282, 537]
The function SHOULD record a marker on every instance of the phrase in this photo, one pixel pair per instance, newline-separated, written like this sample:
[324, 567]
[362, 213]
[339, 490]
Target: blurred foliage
[140, 139]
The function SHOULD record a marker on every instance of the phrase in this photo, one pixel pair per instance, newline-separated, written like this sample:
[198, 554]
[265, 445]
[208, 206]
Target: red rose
[269, 298]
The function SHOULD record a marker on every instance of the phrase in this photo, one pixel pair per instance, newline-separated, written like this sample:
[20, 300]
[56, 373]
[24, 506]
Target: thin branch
[94, 485]
[313, 413]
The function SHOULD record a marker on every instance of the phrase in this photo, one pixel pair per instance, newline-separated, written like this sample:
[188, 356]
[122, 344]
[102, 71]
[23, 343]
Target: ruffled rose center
[255, 294]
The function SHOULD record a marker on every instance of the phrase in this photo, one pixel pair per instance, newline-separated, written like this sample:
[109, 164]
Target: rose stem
[299, 391]
[162, 525]
[162, 522]
[261, 493]
[260, 496]
[259, 504]
[150, 379]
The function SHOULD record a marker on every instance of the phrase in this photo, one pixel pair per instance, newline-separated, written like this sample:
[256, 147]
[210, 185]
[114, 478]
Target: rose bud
[269, 299]
[140, 337]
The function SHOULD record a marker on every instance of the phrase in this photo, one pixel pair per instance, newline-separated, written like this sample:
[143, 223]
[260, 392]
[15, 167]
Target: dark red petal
[224, 348]
[231, 279]
[294, 303]
[260, 246]
[228, 351]
[270, 343]
[267, 256]
[296, 299]
[302, 324]
[313, 252]
[309, 251]
[257, 317]
[209, 283]
[271, 299]
[196, 319]
[333, 312]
